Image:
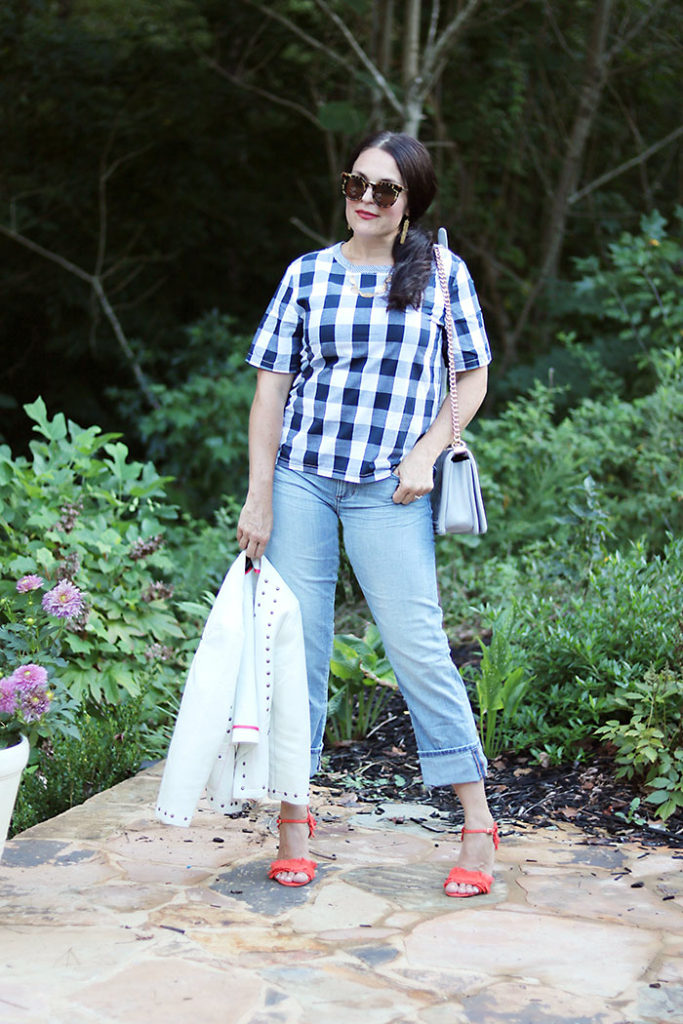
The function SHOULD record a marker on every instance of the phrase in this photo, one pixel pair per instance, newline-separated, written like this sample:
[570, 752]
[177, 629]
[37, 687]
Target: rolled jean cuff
[316, 757]
[451, 767]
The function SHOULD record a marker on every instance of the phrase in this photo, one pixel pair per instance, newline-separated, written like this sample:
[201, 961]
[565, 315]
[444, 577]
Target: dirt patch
[385, 768]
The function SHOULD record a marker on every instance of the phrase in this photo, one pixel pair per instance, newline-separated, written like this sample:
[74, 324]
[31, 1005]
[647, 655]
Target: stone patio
[109, 916]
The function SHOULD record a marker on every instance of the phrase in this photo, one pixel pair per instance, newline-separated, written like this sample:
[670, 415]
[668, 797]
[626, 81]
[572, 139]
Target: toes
[291, 876]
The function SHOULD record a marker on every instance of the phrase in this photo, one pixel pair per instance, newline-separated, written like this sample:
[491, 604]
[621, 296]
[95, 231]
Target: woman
[345, 427]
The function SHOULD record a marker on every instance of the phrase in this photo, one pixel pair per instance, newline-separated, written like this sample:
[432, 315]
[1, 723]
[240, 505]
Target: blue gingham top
[367, 379]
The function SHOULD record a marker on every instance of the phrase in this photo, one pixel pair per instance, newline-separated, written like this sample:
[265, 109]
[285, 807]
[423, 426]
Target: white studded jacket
[243, 730]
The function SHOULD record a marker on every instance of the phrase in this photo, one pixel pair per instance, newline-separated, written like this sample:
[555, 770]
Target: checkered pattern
[367, 379]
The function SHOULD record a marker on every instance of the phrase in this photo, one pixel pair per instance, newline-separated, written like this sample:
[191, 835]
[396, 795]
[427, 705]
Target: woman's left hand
[416, 477]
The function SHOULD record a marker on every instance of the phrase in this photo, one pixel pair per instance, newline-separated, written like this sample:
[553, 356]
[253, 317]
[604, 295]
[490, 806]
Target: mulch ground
[384, 768]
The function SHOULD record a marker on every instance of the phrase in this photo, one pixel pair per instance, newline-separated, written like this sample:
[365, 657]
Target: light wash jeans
[391, 550]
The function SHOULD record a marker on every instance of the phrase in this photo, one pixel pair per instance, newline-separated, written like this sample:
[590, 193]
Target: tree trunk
[411, 79]
[411, 42]
[591, 93]
[594, 78]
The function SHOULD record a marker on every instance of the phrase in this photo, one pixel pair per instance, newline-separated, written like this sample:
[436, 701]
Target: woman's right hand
[254, 526]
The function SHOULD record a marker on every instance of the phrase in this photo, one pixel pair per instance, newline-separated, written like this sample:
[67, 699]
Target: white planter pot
[12, 763]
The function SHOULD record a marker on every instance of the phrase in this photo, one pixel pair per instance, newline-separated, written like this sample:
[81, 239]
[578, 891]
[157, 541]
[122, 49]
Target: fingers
[405, 494]
[402, 496]
[253, 530]
[253, 546]
[415, 478]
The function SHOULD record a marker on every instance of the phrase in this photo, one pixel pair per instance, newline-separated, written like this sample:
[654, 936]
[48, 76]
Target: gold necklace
[370, 295]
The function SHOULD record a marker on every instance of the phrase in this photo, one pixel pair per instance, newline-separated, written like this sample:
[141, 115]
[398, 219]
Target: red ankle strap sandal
[297, 865]
[478, 879]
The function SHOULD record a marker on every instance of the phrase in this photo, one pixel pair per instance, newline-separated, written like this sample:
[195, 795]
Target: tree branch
[272, 97]
[311, 40]
[96, 286]
[433, 25]
[411, 41]
[53, 256]
[633, 162]
[376, 74]
[433, 57]
[624, 40]
[309, 232]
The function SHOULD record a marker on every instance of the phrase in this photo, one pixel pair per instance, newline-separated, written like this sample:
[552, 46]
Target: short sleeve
[276, 344]
[471, 343]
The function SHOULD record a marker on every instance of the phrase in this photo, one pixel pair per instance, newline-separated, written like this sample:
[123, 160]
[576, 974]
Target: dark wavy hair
[412, 259]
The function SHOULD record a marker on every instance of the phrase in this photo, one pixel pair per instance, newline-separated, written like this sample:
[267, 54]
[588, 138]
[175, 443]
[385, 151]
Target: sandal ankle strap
[308, 820]
[493, 832]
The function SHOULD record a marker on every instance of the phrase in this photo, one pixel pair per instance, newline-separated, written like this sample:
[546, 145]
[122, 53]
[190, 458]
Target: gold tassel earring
[404, 231]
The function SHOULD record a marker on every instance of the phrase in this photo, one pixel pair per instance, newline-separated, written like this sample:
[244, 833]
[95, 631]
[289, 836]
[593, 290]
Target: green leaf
[659, 796]
[78, 644]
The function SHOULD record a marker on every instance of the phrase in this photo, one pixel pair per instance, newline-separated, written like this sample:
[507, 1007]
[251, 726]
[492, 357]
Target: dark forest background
[162, 162]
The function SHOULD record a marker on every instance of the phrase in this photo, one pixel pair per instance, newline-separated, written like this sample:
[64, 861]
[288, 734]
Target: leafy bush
[198, 434]
[106, 751]
[501, 682]
[610, 471]
[648, 737]
[584, 517]
[202, 552]
[595, 644]
[361, 682]
[617, 313]
[638, 291]
[79, 510]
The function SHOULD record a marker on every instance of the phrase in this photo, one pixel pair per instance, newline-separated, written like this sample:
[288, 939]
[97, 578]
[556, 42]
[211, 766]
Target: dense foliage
[177, 156]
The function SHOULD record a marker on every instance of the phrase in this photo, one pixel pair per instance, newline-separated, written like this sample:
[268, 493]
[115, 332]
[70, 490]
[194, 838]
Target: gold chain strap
[457, 441]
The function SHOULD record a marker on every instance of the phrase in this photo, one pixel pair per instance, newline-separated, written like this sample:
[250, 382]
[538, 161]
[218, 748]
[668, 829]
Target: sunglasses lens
[384, 194]
[354, 186]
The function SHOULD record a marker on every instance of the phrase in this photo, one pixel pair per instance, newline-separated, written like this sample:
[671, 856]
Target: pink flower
[28, 676]
[64, 601]
[8, 696]
[30, 582]
[34, 702]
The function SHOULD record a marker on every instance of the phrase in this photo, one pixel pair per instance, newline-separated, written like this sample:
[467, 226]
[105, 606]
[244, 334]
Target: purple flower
[28, 676]
[34, 701]
[8, 696]
[30, 582]
[158, 651]
[64, 601]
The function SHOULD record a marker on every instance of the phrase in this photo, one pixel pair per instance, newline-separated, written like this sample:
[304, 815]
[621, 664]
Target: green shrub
[361, 682]
[638, 291]
[198, 435]
[202, 551]
[609, 473]
[585, 650]
[648, 736]
[72, 769]
[79, 510]
[620, 311]
[501, 681]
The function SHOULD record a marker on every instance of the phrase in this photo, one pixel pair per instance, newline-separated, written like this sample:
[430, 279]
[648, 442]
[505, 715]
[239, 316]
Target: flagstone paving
[110, 916]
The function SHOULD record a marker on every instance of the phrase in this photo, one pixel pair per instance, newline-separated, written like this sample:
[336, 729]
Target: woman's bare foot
[477, 853]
